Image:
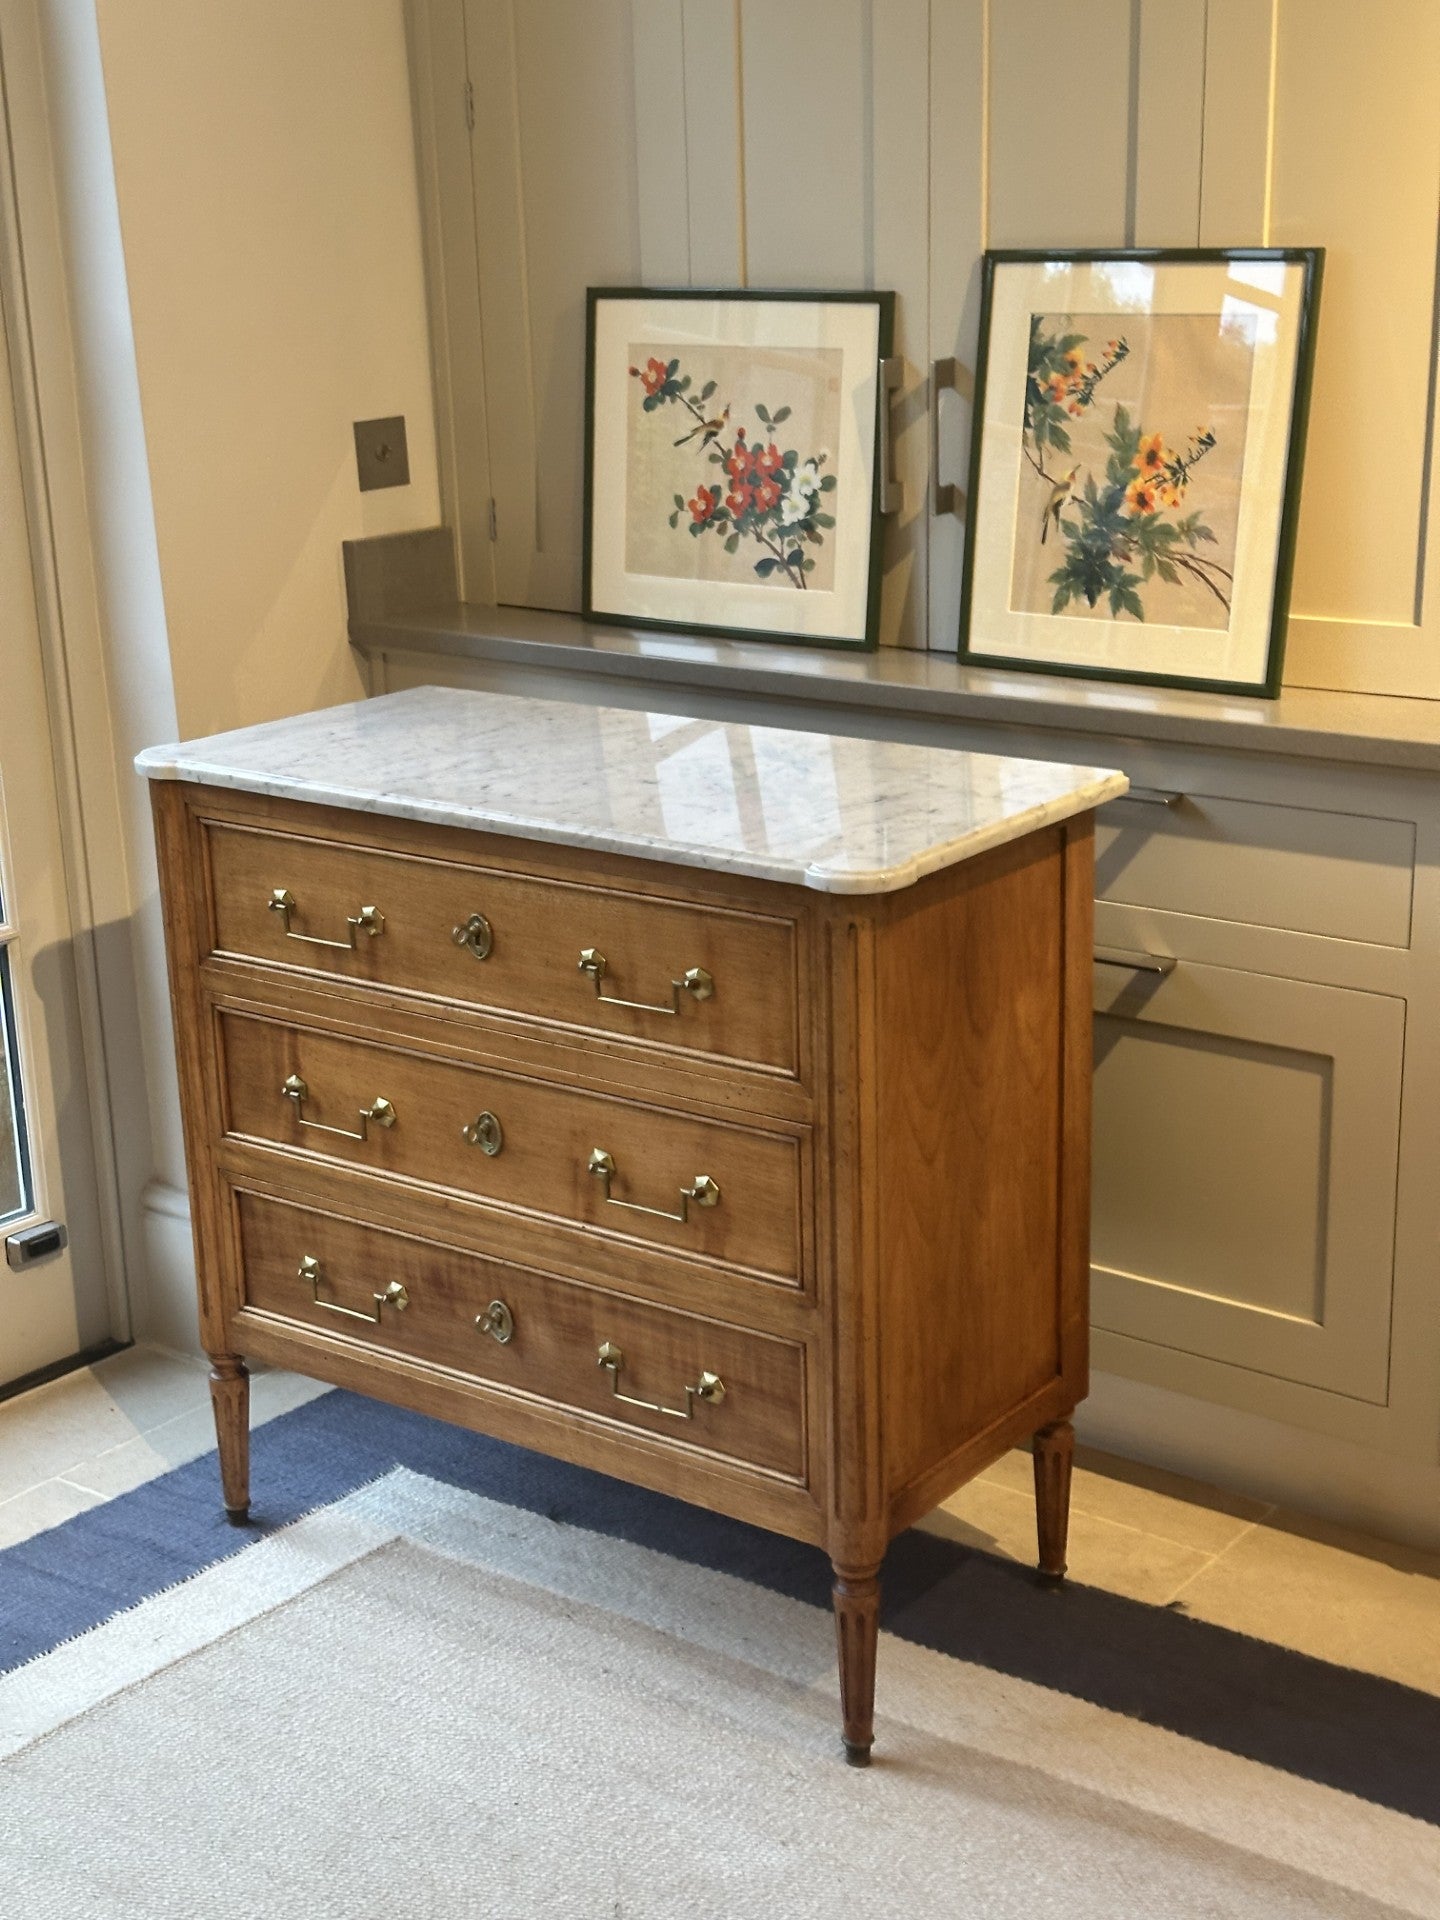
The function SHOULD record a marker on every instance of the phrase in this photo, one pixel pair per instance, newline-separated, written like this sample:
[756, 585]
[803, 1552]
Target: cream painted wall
[265, 170]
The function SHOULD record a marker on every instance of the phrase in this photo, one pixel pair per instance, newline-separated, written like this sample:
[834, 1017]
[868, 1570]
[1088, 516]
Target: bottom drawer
[718, 1387]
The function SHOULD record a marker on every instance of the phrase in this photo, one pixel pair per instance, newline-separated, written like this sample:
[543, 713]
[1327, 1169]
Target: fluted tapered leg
[1054, 1451]
[856, 1595]
[230, 1395]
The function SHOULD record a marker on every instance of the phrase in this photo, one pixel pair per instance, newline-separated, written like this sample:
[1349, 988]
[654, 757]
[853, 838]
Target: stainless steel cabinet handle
[368, 920]
[379, 1112]
[945, 496]
[1135, 960]
[892, 492]
[392, 1296]
[703, 1192]
[695, 981]
[708, 1387]
[1147, 797]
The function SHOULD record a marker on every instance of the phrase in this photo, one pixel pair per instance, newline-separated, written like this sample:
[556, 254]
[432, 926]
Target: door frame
[97, 872]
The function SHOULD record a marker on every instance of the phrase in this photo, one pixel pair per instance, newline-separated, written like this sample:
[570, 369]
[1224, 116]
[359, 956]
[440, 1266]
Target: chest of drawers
[731, 1141]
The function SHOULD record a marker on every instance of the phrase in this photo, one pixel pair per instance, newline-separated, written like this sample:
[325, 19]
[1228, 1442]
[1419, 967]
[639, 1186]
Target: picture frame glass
[1132, 496]
[730, 463]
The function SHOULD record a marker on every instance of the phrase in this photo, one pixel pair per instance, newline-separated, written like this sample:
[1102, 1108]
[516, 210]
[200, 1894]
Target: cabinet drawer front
[432, 1303]
[707, 980]
[1246, 1154]
[1300, 869]
[521, 1143]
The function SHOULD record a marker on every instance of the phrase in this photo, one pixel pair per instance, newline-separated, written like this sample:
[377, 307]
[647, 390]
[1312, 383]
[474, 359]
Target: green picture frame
[734, 464]
[1110, 535]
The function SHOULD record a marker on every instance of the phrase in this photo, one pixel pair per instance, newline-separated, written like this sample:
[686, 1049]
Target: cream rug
[418, 1702]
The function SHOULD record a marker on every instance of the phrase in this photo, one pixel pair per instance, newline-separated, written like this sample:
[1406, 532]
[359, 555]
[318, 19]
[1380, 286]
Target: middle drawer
[710, 1189]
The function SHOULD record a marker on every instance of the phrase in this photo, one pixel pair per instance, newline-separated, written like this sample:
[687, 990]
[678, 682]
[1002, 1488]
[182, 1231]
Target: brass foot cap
[1044, 1578]
[238, 1516]
[857, 1756]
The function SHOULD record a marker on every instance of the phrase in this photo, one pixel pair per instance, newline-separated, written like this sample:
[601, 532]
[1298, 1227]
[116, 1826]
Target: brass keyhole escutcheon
[498, 1321]
[477, 936]
[484, 1132]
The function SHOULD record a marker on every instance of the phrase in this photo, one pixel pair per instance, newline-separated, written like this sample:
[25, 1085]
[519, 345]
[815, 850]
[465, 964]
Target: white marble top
[838, 814]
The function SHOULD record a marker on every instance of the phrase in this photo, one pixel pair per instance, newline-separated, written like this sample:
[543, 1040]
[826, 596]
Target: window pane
[14, 1155]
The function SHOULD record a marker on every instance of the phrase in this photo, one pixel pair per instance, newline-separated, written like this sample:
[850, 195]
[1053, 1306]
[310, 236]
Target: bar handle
[1135, 960]
[945, 496]
[892, 491]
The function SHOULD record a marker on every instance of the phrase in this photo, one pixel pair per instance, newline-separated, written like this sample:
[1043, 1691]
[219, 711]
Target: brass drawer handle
[477, 936]
[498, 1321]
[393, 1296]
[379, 1111]
[695, 981]
[703, 1192]
[369, 920]
[708, 1387]
[485, 1132]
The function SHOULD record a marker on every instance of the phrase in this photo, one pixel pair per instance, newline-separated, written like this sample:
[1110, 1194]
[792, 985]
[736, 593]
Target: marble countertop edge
[900, 812]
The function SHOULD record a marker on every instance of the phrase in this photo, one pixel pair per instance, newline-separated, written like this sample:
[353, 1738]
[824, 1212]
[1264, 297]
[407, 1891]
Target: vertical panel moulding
[439, 69]
[714, 121]
[504, 289]
[899, 226]
[1169, 130]
[1063, 181]
[1234, 186]
[805, 78]
[957, 223]
[662, 159]
[1356, 164]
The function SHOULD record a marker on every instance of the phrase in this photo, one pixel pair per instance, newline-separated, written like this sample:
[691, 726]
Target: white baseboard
[165, 1312]
[1378, 1493]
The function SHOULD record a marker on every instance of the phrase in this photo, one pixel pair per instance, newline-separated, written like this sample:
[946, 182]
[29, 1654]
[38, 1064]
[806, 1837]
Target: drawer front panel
[709, 981]
[420, 1300]
[1299, 869]
[522, 1143]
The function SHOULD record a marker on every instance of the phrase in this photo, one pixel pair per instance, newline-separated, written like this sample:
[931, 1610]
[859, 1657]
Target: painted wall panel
[1357, 168]
[844, 142]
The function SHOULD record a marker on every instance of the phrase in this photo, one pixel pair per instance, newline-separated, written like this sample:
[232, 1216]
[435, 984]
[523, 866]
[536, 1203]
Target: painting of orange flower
[1134, 453]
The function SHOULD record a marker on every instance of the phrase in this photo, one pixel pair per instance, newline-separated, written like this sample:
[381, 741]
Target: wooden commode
[706, 1104]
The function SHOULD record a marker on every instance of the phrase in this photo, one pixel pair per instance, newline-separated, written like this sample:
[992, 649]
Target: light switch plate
[381, 456]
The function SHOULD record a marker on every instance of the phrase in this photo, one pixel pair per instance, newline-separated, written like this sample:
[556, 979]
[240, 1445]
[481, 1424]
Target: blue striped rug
[1367, 1737]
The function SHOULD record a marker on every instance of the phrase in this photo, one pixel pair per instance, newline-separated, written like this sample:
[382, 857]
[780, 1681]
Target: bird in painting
[1055, 505]
[712, 429]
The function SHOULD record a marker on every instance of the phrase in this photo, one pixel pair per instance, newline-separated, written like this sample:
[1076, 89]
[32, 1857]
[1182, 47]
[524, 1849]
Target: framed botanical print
[1135, 463]
[732, 462]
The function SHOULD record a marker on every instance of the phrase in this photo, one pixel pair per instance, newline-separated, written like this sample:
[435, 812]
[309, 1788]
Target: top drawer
[703, 979]
[1348, 876]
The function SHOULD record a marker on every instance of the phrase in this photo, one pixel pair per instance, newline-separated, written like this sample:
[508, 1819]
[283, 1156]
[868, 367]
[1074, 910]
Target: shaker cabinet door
[1246, 1147]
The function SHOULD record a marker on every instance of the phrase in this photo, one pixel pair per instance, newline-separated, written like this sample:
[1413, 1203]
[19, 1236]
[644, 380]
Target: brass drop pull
[498, 1321]
[369, 920]
[476, 935]
[393, 1296]
[695, 981]
[703, 1191]
[379, 1112]
[485, 1132]
[708, 1387]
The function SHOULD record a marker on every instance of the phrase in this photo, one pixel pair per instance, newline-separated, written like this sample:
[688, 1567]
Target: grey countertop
[1369, 729]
